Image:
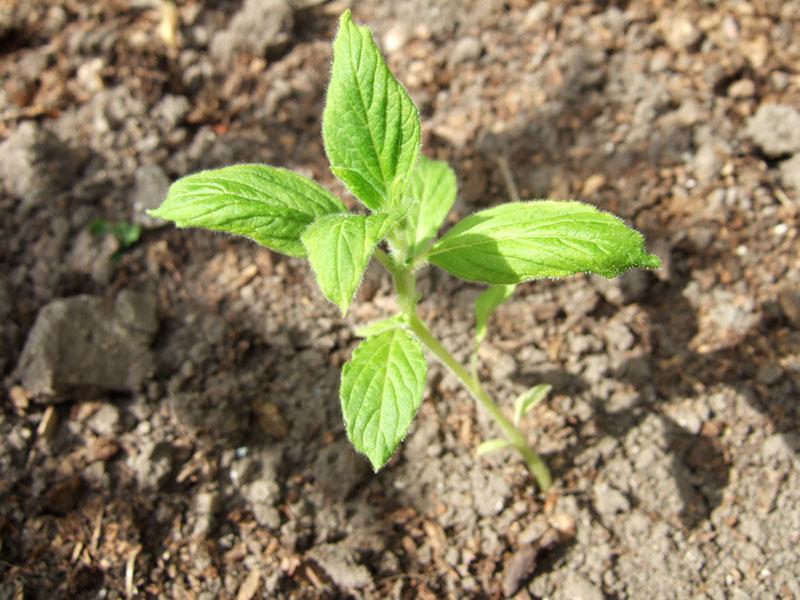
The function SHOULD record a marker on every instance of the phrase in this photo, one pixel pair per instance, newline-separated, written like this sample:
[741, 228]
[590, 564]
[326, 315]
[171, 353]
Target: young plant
[371, 132]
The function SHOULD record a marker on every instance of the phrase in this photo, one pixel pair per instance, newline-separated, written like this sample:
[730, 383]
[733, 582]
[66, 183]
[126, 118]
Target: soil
[218, 467]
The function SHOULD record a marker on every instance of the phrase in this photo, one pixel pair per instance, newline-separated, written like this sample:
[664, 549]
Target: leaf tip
[650, 261]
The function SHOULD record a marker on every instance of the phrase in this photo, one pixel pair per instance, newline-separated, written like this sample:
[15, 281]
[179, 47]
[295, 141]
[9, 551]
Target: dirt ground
[170, 421]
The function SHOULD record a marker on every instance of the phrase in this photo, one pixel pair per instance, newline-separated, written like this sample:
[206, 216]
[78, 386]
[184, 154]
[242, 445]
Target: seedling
[371, 133]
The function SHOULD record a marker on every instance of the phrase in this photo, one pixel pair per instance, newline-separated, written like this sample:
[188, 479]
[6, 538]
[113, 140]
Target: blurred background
[170, 423]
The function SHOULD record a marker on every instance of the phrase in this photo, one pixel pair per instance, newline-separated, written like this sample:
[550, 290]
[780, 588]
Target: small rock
[106, 421]
[769, 374]
[519, 570]
[85, 342]
[154, 464]
[395, 38]
[790, 173]
[149, 190]
[682, 34]
[609, 501]
[263, 495]
[577, 587]
[258, 27]
[789, 300]
[206, 505]
[35, 164]
[775, 128]
[707, 163]
[341, 565]
[338, 470]
[741, 89]
[172, 110]
[465, 49]
[490, 492]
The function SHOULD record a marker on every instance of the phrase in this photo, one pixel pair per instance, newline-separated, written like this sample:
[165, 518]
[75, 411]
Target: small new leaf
[527, 401]
[490, 446]
[377, 327]
[486, 304]
[339, 248]
[432, 193]
[382, 388]
[520, 241]
[370, 125]
[271, 206]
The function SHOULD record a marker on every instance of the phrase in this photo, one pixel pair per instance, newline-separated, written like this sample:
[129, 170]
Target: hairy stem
[405, 283]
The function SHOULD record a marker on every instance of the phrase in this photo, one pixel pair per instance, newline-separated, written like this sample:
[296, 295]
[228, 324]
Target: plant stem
[405, 283]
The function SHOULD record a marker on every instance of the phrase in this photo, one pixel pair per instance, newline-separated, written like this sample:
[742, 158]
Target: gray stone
[260, 26]
[682, 34]
[172, 110]
[789, 300]
[262, 496]
[775, 128]
[340, 563]
[465, 49]
[790, 173]
[149, 190]
[490, 492]
[89, 343]
[609, 501]
[106, 421]
[35, 164]
[707, 163]
[577, 587]
[519, 569]
[154, 464]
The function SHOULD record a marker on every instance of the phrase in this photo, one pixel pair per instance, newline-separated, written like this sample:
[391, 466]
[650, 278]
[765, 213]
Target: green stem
[405, 284]
[534, 462]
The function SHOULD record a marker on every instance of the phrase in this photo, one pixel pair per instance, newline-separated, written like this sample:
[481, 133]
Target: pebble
[790, 173]
[342, 566]
[519, 569]
[106, 421]
[789, 300]
[609, 501]
[577, 587]
[88, 342]
[466, 49]
[775, 128]
[682, 34]
[35, 164]
[154, 464]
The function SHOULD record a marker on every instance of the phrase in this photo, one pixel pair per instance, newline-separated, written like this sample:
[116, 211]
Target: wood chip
[250, 586]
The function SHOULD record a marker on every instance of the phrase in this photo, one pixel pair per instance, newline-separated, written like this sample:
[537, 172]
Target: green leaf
[127, 234]
[490, 446]
[370, 125]
[486, 304]
[526, 401]
[399, 321]
[519, 241]
[339, 248]
[432, 192]
[382, 388]
[270, 205]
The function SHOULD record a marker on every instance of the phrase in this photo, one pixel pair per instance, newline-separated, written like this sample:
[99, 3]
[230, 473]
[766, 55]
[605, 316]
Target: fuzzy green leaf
[382, 388]
[486, 304]
[377, 327]
[339, 248]
[370, 125]
[519, 241]
[527, 401]
[432, 193]
[271, 206]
